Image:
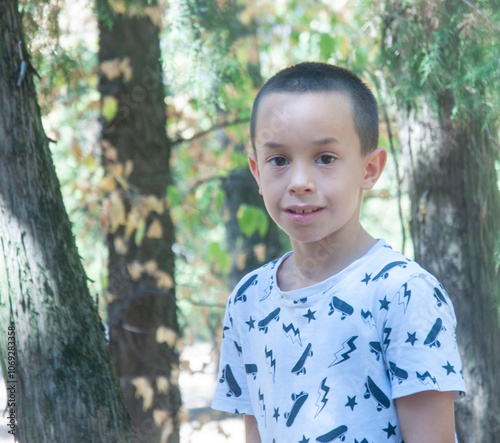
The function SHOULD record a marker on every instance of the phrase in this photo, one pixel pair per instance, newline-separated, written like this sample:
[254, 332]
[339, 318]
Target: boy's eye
[278, 161]
[326, 159]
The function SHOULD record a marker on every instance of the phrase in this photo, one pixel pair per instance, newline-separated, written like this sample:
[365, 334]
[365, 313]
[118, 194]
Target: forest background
[434, 67]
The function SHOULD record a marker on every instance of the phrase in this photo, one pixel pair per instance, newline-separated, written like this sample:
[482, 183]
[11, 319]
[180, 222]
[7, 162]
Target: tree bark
[455, 205]
[64, 386]
[142, 312]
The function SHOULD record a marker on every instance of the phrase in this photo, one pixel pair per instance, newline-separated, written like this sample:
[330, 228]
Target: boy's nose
[301, 181]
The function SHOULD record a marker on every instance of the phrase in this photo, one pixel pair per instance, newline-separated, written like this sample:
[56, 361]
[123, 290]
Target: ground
[197, 385]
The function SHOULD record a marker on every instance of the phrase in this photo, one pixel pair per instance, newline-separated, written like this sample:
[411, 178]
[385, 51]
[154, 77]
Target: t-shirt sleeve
[231, 393]
[418, 335]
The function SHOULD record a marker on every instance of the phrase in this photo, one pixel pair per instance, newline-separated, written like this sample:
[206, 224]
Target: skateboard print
[238, 348]
[440, 298]
[335, 434]
[399, 373]
[300, 301]
[299, 366]
[298, 401]
[228, 377]
[432, 338]
[240, 295]
[252, 370]
[264, 324]
[384, 273]
[372, 390]
[340, 305]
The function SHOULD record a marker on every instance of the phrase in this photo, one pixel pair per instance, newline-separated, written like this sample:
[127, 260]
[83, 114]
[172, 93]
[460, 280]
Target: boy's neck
[312, 263]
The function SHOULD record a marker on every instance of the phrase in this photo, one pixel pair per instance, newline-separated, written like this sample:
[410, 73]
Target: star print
[391, 430]
[351, 402]
[304, 439]
[310, 315]
[276, 413]
[250, 324]
[412, 338]
[367, 278]
[384, 304]
[449, 368]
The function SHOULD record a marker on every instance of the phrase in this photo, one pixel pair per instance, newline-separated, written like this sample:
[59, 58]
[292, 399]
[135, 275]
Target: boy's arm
[427, 416]
[251, 431]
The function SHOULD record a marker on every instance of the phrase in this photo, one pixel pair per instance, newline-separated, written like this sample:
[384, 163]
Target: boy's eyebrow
[321, 141]
[326, 140]
[272, 145]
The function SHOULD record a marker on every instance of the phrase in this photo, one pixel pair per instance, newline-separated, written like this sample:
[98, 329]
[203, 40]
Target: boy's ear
[254, 169]
[374, 165]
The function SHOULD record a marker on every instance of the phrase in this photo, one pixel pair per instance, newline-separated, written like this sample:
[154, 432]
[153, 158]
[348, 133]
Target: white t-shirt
[324, 363]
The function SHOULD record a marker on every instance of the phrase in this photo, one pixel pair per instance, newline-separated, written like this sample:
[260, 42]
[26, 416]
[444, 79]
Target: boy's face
[308, 164]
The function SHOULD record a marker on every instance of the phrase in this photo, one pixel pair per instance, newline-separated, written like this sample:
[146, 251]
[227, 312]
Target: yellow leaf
[77, 153]
[116, 215]
[151, 203]
[155, 230]
[135, 270]
[110, 152]
[120, 246]
[166, 335]
[151, 267]
[154, 15]
[129, 167]
[144, 390]
[260, 252]
[164, 280]
[133, 219]
[162, 384]
[241, 260]
[107, 183]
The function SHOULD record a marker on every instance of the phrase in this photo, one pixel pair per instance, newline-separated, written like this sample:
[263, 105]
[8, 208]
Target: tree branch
[481, 14]
[180, 139]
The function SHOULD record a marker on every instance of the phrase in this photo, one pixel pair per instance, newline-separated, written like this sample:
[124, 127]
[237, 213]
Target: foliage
[458, 51]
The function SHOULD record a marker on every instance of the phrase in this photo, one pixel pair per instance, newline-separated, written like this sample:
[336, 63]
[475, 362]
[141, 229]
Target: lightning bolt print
[427, 379]
[295, 337]
[387, 333]
[348, 346]
[271, 364]
[268, 290]
[404, 295]
[322, 400]
[367, 318]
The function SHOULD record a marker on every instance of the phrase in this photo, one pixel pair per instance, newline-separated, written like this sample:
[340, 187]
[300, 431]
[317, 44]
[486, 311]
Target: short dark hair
[323, 77]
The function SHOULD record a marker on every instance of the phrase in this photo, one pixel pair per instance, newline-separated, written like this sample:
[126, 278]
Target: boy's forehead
[278, 109]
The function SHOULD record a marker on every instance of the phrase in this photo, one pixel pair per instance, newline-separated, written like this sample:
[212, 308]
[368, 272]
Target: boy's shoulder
[389, 267]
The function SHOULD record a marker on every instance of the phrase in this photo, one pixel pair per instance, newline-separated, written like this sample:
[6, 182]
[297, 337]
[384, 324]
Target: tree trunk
[455, 211]
[63, 383]
[143, 328]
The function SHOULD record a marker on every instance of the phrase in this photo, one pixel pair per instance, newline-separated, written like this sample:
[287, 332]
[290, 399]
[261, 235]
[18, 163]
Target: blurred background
[147, 106]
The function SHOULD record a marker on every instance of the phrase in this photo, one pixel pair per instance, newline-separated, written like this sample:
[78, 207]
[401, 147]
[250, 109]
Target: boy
[342, 339]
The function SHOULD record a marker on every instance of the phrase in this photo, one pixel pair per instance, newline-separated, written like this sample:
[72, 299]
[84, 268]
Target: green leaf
[139, 232]
[109, 108]
[173, 196]
[251, 220]
[326, 45]
[219, 255]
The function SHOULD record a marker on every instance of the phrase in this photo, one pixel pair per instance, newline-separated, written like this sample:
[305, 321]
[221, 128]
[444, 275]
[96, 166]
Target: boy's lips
[303, 212]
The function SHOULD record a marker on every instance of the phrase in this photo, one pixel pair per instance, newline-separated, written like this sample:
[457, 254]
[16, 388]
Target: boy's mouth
[302, 211]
